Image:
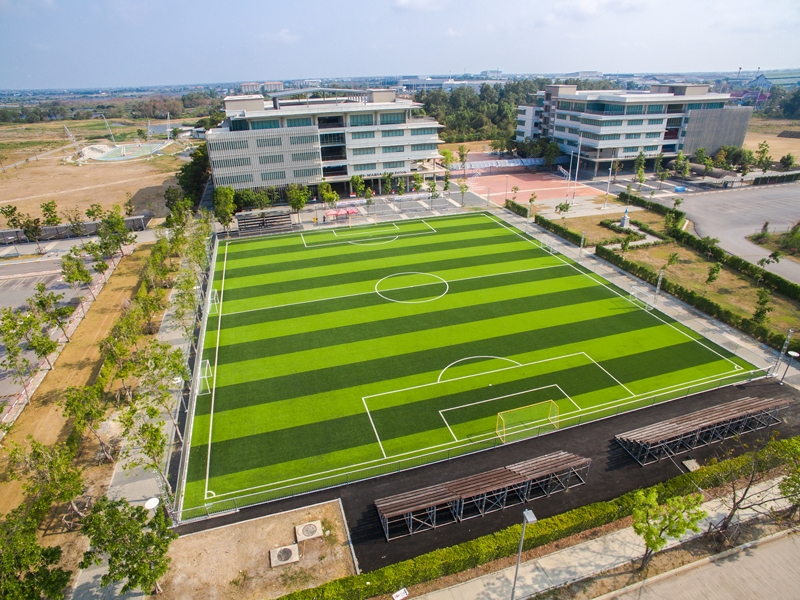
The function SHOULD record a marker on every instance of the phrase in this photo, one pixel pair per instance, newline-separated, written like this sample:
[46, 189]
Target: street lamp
[792, 354]
[608, 185]
[506, 187]
[528, 518]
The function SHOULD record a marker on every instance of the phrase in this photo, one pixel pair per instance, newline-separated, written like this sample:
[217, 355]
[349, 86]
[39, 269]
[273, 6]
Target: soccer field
[341, 354]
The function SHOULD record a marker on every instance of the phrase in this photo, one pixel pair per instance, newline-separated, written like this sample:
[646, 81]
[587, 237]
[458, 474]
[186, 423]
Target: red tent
[352, 211]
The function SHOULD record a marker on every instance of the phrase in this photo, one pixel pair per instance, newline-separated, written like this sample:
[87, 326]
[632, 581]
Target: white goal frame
[643, 296]
[213, 305]
[205, 379]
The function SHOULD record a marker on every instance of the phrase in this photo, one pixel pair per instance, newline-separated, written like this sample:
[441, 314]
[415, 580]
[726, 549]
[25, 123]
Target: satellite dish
[151, 503]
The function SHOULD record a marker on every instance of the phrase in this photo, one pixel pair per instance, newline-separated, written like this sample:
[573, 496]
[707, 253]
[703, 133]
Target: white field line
[216, 357]
[627, 299]
[448, 426]
[355, 468]
[374, 429]
[366, 239]
[609, 374]
[355, 231]
[239, 312]
[455, 362]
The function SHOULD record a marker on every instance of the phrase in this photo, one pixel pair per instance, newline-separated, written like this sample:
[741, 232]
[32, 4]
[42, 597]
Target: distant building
[341, 134]
[529, 121]
[619, 124]
[251, 88]
[492, 74]
[590, 75]
[785, 79]
[273, 86]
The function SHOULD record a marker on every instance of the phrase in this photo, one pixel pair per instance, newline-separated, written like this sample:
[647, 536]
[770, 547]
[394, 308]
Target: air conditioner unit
[284, 555]
[308, 531]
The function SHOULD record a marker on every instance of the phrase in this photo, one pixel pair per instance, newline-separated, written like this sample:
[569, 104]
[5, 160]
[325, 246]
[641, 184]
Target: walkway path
[582, 560]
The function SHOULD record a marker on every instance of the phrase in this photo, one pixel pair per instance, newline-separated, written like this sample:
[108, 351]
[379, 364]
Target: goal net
[642, 296]
[549, 245]
[206, 378]
[213, 307]
[526, 418]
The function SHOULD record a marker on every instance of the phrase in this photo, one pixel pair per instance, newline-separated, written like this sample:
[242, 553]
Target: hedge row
[522, 211]
[468, 555]
[654, 206]
[647, 229]
[613, 226]
[560, 230]
[761, 333]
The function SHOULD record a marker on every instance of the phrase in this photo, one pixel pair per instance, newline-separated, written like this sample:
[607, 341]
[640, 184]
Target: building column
[596, 165]
[379, 186]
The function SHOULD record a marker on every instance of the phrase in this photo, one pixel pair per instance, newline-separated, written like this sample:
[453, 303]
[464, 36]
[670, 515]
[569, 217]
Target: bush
[647, 229]
[613, 226]
[505, 542]
[517, 208]
[560, 230]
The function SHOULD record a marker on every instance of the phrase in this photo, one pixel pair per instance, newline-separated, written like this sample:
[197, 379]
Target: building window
[650, 148]
[393, 118]
[392, 149]
[574, 131]
[331, 139]
[521, 111]
[654, 109]
[686, 121]
[632, 136]
[615, 123]
[271, 176]
[683, 133]
[393, 133]
[366, 167]
[561, 116]
[561, 128]
[653, 134]
[273, 158]
[605, 137]
[228, 179]
[239, 125]
[521, 122]
[694, 106]
[680, 147]
[674, 122]
[629, 149]
[418, 147]
[265, 142]
[519, 134]
[229, 145]
[221, 163]
[302, 139]
[563, 105]
[575, 118]
[312, 172]
[579, 106]
[265, 124]
[303, 156]
[634, 109]
[432, 130]
[655, 121]
[715, 105]
[361, 120]
[299, 122]
[361, 135]
[632, 122]
[361, 151]
[395, 164]
[560, 141]
[594, 122]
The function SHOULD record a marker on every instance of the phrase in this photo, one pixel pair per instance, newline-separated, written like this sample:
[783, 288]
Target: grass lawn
[596, 233]
[343, 354]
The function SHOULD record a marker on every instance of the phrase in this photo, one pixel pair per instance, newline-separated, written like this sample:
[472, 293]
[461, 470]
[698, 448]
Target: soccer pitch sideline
[337, 355]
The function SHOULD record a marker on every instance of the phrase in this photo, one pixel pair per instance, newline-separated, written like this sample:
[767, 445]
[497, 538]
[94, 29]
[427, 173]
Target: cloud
[421, 5]
[451, 33]
[284, 36]
[580, 10]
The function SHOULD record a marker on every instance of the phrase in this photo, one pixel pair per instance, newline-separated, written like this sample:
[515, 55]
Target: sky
[53, 44]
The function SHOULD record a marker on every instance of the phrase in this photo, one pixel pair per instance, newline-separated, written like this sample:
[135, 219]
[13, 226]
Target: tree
[447, 158]
[128, 206]
[463, 154]
[297, 195]
[640, 176]
[141, 133]
[27, 569]
[75, 274]
[700, 156]
[626, 242]
[192, 177]
[417, 181]
[562, 209]
[172, 197]
[32, 228]
[432, 189]
[638, 164]
[146, 445]
[75, 221]
[662, 177]
[48, 306]
[514, 191]
[720, 159]
[95, 250]
[88, 408]
[658, 163]
[136, 548]
[787, 162]
[676, 202]
[763, 159]
[387, 183]
[12, 333]
[655, 523]
[326, 193]
[401, 187]
[761, 314]
[672, 259]
[463, 188]
[551, 153]
[708, 166]
[113, 233]
[713, 273]
[790, 485]
[531, 200]
[159, 366]
[38, 339]
[357, 182]
[368, 197]
[446, 183]
[224, 206]
[50, 213]
[94, 212]
[616, 167]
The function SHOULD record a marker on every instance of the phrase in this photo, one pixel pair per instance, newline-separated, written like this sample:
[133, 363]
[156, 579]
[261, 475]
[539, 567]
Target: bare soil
[479, 146]
[233, 562]
[596, 233]
[778, 146]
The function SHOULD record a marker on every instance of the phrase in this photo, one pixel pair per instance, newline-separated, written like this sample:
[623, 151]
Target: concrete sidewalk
[587, 559]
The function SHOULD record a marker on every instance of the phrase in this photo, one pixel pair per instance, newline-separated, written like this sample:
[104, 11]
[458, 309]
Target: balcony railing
[339, 125]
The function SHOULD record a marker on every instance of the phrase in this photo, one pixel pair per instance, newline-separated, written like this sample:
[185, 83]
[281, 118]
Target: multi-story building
[619, 124]
[251, 87]
[289, 140]
[529, 120]
[272, 86]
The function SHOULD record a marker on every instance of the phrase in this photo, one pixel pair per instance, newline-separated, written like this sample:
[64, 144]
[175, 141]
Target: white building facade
[281, 142]
[618, 125]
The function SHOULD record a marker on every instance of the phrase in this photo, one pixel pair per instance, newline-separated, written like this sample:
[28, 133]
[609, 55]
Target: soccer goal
[206, 378]
[526, 418]
[642, 296]
[549, 246]
[213, 307]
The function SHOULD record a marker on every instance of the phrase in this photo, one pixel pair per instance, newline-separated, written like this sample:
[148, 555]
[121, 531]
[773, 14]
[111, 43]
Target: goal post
[206, 378]
[642, 296]
[213, 307]
[525, 418]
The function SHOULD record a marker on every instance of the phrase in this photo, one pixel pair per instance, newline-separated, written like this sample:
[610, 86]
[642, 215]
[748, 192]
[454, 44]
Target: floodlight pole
[792, 354]
[577, 167]
[658, 287]
[527, 518]
[608, 186]
[506, 188]
[569, 174]
[783, 352]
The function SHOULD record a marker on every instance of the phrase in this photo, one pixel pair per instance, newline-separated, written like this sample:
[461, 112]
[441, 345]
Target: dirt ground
[233, 562]
[78, 364]
[778, 146]
[480, 146]
[596, 233]
[545, 185]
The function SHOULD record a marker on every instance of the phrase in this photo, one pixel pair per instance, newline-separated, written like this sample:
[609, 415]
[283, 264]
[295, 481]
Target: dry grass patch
[596, 233]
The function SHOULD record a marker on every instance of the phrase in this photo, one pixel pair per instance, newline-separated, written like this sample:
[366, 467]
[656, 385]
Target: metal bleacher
[681, 434]
[477, 495]
[259, 222]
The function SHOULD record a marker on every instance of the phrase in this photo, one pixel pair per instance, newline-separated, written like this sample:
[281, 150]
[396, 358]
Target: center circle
[411, 287]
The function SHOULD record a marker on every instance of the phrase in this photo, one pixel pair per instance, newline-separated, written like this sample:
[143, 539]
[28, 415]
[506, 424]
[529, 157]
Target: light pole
[792, 354]
[528, 518]
[608, 185]
[506, 188]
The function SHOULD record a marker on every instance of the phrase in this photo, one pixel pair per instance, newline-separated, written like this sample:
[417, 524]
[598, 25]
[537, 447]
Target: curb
[699, 563]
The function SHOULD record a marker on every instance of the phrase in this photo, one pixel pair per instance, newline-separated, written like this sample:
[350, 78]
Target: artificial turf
[341, 354]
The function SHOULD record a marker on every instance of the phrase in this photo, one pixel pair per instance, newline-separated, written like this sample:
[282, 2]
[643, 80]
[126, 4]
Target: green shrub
[647, 229]
[559, 230]
[517, 208]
